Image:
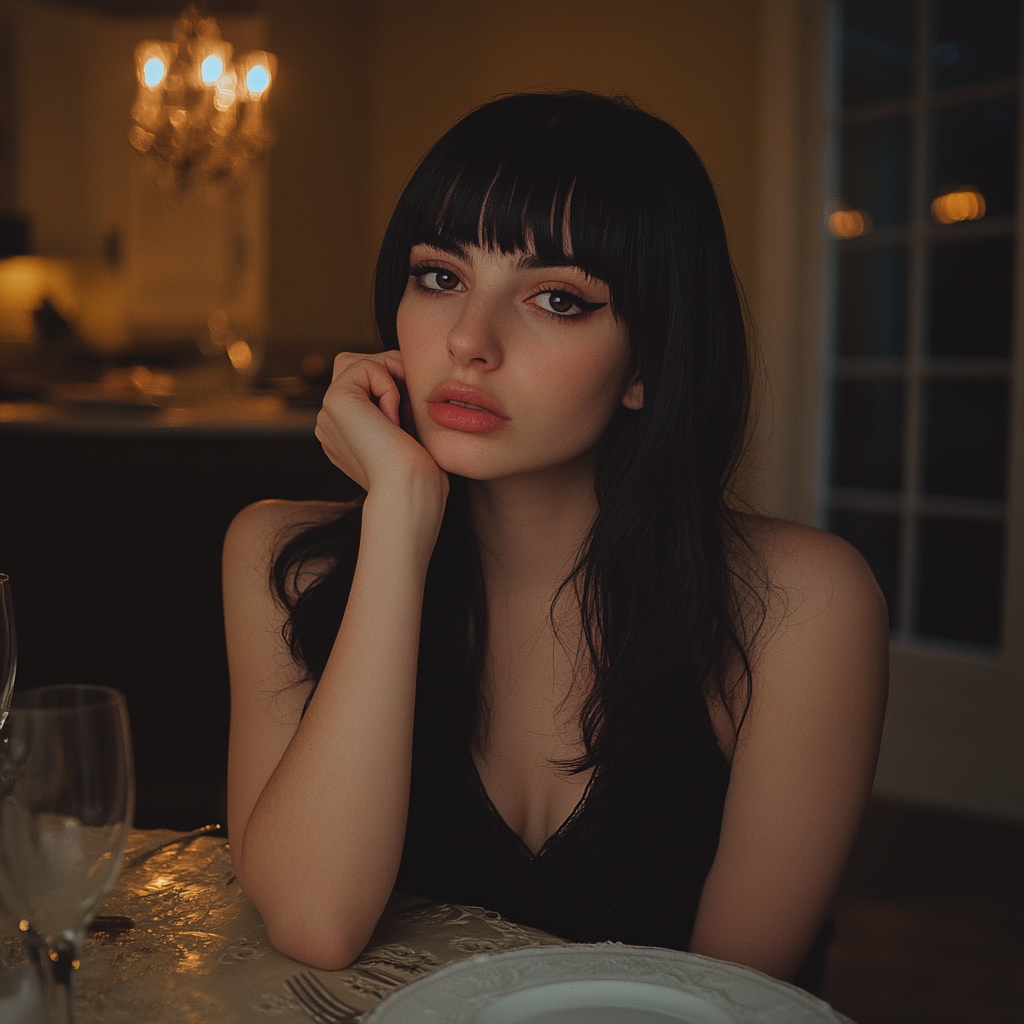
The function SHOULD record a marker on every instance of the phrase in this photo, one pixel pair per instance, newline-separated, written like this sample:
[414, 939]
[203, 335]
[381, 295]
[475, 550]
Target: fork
[319, 1003]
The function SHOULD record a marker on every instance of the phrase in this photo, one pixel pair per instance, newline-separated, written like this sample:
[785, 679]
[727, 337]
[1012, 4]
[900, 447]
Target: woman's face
[512, 367]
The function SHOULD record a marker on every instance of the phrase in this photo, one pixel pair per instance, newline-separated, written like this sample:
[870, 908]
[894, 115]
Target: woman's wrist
[406, 511]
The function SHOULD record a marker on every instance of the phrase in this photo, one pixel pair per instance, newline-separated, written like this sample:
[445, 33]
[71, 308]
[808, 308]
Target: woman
[544, 666]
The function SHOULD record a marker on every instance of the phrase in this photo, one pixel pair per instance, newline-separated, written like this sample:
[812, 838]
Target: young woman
[544, 666]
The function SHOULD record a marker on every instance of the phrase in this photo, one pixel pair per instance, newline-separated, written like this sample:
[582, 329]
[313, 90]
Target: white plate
[602, 984]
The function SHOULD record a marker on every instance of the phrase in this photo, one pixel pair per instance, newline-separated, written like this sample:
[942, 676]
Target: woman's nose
[476, 336]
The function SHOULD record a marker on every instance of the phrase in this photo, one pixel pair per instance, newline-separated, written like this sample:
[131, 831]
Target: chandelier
[198, 116]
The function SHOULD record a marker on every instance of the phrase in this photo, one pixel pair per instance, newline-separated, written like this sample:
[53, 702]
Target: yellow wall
[320, 169]
[364, 89]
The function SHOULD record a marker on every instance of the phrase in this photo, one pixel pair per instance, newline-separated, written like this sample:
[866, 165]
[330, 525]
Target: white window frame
[954, 734]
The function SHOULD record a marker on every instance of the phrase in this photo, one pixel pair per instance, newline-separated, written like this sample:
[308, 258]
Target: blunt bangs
[506, 176]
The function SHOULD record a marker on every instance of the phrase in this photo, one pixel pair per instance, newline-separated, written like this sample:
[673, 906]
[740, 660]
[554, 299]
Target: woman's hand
[365, 426]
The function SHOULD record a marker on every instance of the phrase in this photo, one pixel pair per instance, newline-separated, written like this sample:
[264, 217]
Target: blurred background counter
[111, 523]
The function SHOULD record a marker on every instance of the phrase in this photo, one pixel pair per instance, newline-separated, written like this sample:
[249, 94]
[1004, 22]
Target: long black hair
[663, 580]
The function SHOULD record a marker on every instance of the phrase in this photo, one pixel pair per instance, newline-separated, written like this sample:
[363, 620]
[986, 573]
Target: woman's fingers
[361, 423]
[379, 375]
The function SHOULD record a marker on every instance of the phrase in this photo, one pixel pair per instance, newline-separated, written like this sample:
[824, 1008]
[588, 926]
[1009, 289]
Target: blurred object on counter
[42, 299]
[245, 356]
[24, 282]
[300, 380]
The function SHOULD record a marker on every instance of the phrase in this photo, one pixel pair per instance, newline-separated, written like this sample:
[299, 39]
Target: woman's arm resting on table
[805, 759]
[317, 804]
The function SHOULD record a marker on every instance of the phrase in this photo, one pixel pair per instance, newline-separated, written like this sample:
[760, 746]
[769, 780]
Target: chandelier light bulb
[153, 72]
[211, 69]
[257, 81]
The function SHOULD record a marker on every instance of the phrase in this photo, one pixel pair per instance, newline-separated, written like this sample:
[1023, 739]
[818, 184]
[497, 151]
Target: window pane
[875, 169]
[872, 301]
[966, 426]
[961, 580]
[868, 440]
[878, 50]
[973, 42]
[971, 290]
[976, 147]
[877, 537]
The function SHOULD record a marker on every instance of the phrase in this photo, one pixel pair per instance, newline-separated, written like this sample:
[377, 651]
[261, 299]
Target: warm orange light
[240, 354]
[849, 223]
[963, 204]
[157, 384]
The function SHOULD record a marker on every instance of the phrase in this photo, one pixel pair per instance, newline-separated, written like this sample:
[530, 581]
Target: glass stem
[54, 965]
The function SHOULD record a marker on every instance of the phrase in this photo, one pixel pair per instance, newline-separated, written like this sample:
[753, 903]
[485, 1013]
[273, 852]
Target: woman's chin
[455, 455]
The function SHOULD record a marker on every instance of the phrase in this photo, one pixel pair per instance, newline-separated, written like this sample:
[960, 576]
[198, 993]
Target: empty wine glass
[67, 795]
[8, 646]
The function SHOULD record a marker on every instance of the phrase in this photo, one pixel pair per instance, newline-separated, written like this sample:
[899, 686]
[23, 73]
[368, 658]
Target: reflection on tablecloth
[198, 951]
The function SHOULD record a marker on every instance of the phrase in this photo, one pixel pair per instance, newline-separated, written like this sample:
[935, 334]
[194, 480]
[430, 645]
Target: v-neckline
[509, 830]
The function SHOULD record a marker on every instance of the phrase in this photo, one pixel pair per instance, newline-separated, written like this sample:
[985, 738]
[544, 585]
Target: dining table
[176, 940]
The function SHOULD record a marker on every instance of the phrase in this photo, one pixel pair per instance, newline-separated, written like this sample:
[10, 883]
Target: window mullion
[1013, 645]
[915, 354]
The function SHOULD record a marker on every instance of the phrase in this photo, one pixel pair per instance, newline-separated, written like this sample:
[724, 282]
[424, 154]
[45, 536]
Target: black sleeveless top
[628, 865]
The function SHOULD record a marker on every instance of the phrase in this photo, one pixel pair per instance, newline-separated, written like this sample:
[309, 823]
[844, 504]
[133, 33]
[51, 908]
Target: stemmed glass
[67, 795]
[8, 646]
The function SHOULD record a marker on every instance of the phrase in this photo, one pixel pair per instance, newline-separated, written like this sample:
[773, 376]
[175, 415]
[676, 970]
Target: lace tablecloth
[197, 951]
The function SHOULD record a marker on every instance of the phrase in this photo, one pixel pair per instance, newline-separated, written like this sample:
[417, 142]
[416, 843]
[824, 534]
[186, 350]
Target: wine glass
[8, 646]
[67, 796]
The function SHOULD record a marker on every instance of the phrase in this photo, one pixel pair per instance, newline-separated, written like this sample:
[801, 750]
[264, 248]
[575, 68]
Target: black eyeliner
[586, 307]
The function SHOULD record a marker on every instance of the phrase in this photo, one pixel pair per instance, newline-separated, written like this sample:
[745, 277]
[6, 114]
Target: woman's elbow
[308, 924]
[316, 945]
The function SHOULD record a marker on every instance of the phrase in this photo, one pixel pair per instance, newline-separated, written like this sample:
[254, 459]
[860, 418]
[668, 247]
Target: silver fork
[320, 1003]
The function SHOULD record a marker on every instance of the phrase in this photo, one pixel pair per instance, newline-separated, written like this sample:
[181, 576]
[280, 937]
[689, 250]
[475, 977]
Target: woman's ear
[634, 396]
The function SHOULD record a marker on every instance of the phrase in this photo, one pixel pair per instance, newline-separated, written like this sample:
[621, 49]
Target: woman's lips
[464, 407]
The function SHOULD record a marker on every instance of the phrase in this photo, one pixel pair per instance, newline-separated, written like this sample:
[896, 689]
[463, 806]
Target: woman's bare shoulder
[801, 570]
[259, 531]
[823, 608]
[275, 516]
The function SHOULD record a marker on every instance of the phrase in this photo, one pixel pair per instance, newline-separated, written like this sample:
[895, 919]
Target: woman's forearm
[323, 842]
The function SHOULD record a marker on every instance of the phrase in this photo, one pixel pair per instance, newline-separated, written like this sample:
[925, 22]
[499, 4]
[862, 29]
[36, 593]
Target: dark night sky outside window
[927, 133]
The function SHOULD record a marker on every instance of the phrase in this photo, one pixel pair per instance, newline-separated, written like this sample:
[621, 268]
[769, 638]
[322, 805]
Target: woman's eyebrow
[531, 261]
[443, 245]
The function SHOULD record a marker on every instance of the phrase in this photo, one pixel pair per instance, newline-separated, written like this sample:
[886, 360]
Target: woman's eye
[559, 302]
[437, 279]
[566, 304]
